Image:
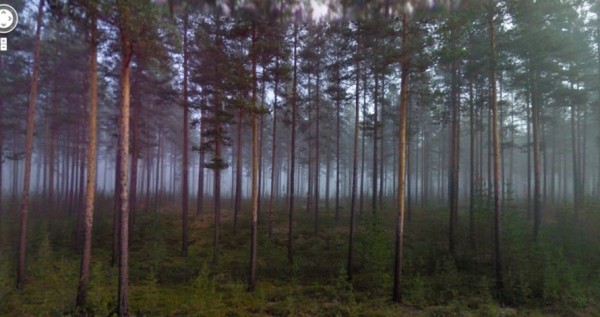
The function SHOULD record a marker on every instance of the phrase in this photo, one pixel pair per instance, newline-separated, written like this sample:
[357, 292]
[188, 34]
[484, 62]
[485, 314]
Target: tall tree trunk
[537, 165]
[529, 121]
[293, 151]
[317, 150]
[84, 271]
[116, 209]
[158, 170]
[355, 159]
[126, 55]
[598, 83]
[255, 159]
[453, 189]
[185, 165]
[337, 161]
[200, 198]
[29, 149]
[497, 149]
[362, 148]
[217, 156]
[575, 151]
[375, 135]
[273, 149]
[397, 294]
[472, 167]
[382, 145]
[238, 172]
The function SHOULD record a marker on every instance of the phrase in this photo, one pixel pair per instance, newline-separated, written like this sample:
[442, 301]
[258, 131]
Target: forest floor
[558, 276]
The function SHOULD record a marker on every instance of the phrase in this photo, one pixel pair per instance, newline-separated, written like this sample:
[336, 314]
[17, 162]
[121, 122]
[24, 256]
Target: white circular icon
[8, 18]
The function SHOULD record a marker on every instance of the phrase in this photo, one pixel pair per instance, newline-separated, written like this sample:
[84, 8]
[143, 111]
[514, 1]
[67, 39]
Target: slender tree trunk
[317, 151]
[309, 138]
[337, 162]
[84, 272]
[126, 43]
[185, 165]
[200, 201]
[293, 150]
[382, 145]
[362, 148]
[598, 104]
[116, 209]
[375, 135]
[472, 167]
[397, 294]
[135, 147]
[355, 159]
[453, 189]
[158, 170]
[29, 150]
[238, 172]
[255, 159]
[273, 149]
[529, 120]
[537, 165]
[497, 152]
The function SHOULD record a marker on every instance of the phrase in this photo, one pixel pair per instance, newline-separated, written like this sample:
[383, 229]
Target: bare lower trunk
[354, 165]
[123, 294]
[185, 168]
[397, 294]
[24, 208]
[84, 272]
[497, 153]
[293, 150]
[255, 161]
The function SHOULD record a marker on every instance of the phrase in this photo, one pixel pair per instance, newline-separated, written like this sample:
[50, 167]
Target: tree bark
[537, 165]
[355, 161]
[497, 151]
[255, 159]
[24, 209]
[185, 166]
[238, 172]
[126, 54]
[84, 272]
[293, 150]
[453, 189]
[397, 294]
[273, 148]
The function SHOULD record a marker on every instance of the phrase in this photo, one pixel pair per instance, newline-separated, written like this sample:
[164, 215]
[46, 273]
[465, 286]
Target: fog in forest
[282, 159]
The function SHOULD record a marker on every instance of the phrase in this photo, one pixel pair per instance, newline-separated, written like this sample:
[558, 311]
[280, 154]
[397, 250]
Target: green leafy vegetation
[557, 276]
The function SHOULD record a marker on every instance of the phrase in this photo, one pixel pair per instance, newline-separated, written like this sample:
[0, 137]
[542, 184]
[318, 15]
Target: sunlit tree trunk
[126, 54]
[397, 293]
[84, 272]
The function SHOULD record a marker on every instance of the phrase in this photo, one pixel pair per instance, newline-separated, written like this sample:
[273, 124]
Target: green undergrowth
[559, 275]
